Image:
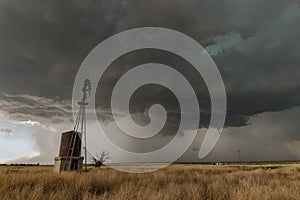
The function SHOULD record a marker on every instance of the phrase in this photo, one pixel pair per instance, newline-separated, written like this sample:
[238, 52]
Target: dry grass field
[264, 181]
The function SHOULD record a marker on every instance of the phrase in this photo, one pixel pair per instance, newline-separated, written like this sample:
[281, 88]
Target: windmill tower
[70, 148]
[239, 154]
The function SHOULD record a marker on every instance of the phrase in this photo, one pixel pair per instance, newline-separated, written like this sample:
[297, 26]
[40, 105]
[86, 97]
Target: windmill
[70, 148]
[80, 123]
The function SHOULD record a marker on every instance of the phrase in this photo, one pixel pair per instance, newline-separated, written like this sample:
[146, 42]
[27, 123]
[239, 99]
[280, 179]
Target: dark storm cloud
[262, 72]
[26, 107]
[43, 43]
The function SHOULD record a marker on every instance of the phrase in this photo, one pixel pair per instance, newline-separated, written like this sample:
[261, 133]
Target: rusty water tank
[68, 139]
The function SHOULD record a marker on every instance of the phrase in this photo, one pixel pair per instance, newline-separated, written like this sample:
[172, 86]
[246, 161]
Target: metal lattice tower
[239, 154]
[80, 124]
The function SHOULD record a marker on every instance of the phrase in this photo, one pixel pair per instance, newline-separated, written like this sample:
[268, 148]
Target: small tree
[100, 159]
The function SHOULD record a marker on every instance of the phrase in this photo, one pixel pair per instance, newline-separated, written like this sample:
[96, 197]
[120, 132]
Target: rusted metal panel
[68, 139]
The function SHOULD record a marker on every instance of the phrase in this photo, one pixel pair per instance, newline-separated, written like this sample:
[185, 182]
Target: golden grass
[174, 182]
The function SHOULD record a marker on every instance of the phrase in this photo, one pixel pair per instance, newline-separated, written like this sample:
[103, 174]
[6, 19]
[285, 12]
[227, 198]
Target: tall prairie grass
[278, 182]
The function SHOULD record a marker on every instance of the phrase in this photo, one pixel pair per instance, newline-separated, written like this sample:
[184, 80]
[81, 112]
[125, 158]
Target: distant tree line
[20, 164]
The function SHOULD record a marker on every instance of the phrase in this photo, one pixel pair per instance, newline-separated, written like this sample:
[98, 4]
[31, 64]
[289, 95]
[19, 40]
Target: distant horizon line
[122, 163]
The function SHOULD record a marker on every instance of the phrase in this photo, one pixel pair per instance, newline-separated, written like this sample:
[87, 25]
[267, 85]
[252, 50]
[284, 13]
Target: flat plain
[271, 181]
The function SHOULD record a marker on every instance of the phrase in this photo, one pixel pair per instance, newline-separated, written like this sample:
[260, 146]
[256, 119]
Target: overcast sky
[254, 43]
